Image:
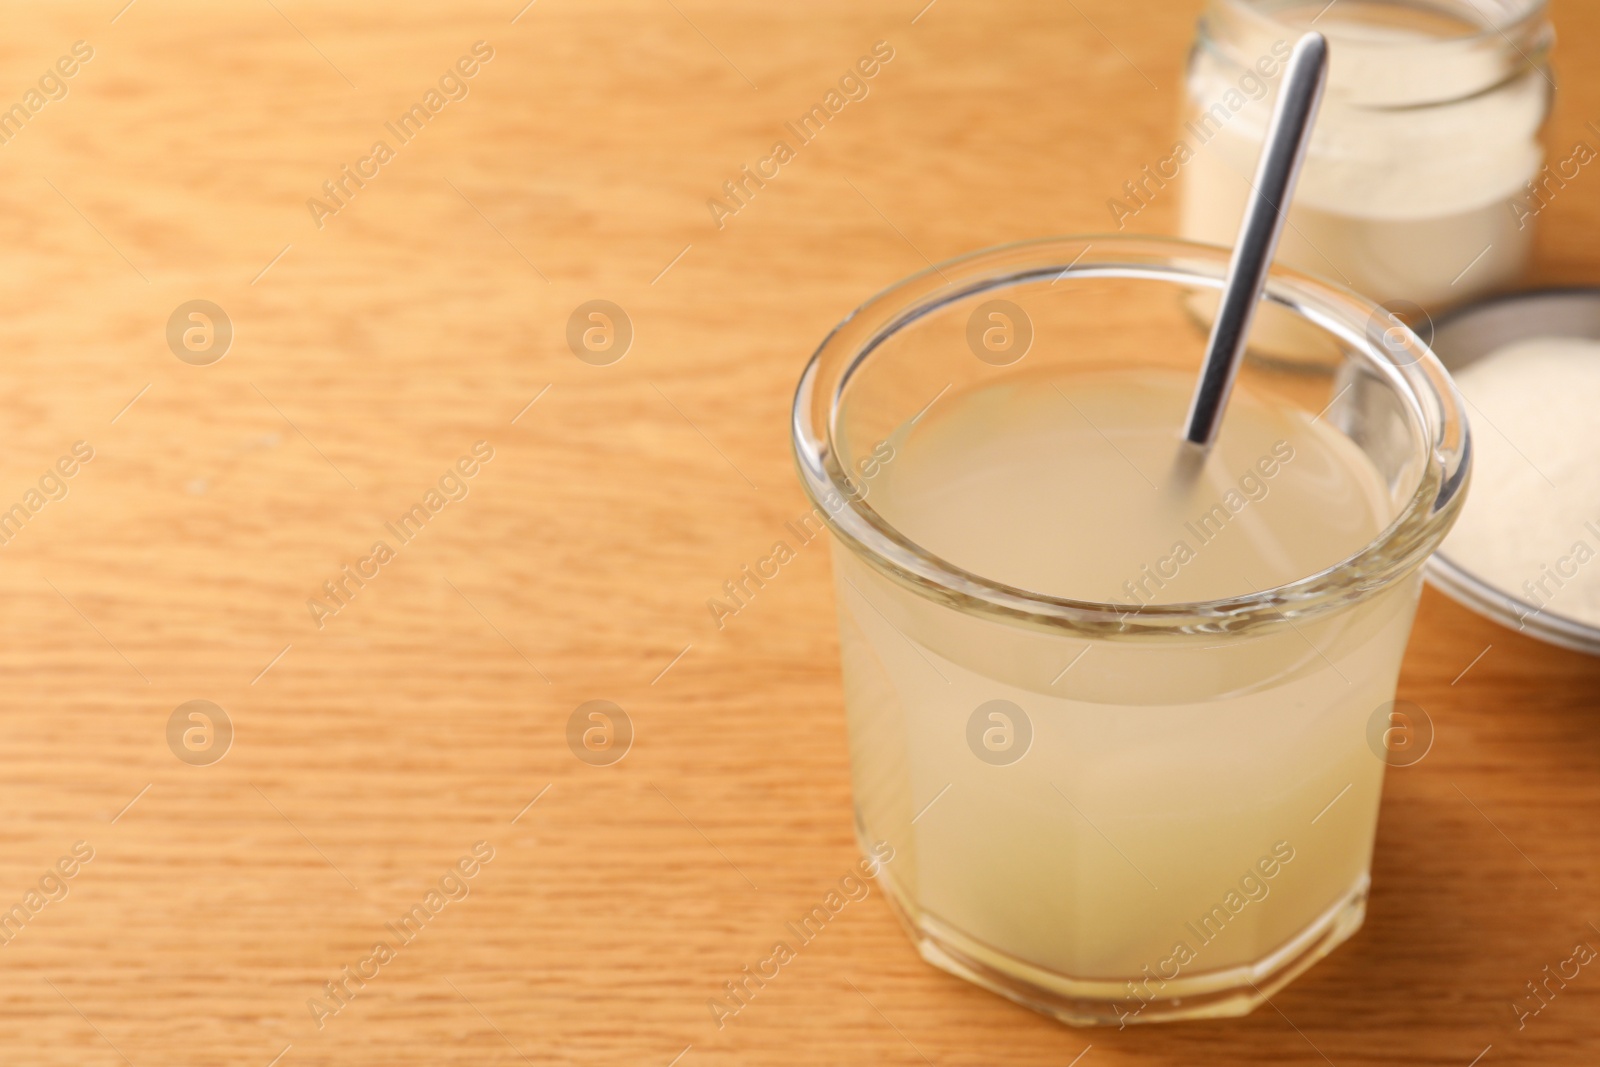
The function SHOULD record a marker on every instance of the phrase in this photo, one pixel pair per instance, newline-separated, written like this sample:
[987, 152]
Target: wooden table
[375, 744]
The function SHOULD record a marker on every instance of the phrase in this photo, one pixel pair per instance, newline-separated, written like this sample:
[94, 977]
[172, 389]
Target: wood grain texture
[374, 351]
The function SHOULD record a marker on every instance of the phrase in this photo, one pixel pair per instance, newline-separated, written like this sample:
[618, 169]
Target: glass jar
[1116, 812]
[1426, 170]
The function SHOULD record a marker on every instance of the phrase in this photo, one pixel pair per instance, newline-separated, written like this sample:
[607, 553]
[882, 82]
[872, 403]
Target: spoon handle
[1288, 137]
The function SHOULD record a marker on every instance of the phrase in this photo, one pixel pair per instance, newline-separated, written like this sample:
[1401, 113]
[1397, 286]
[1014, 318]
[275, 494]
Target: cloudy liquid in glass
[1184, 803]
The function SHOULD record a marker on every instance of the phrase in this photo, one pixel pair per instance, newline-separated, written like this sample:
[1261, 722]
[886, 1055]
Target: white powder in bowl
[1531, 523]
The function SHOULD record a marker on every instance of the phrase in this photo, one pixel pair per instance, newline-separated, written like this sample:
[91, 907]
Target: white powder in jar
[1409, 192]
[1531, 522]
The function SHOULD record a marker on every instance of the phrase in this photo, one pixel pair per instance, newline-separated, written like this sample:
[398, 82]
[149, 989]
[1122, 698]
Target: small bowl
[1459, 339]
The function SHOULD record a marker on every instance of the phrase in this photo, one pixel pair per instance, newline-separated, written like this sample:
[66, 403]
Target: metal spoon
[1288, 137]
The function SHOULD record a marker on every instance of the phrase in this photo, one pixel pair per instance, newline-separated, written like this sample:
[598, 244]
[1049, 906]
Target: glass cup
[1425, 176]
[1115, 813]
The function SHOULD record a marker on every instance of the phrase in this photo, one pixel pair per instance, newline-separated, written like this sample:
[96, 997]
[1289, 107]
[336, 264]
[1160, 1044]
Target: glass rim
[1525, 17]
[1437, 426]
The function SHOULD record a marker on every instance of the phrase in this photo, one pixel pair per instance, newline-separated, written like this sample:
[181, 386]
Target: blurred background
[264, 348]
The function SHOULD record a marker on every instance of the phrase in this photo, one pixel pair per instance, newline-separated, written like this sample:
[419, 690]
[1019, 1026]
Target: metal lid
[1460, 339]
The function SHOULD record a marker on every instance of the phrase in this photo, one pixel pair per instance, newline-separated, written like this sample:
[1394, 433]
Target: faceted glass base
[1217, 994]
